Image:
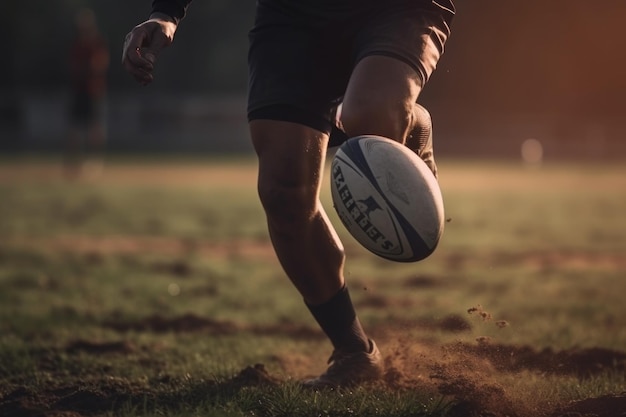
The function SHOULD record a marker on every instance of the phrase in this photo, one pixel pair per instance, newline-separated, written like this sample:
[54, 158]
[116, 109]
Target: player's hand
[143, 44]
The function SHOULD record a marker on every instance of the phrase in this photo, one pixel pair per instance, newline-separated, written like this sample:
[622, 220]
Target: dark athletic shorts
[300, 61]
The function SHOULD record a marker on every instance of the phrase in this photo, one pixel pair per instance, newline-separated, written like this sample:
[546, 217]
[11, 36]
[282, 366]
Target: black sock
[338, 320]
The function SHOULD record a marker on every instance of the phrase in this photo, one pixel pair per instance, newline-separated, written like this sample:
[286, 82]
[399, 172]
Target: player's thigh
[291, 159]
[380, 87]
[397, 51]
[410, 31]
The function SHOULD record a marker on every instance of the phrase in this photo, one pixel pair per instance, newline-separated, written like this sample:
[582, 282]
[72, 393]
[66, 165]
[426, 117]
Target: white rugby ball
[387, 198]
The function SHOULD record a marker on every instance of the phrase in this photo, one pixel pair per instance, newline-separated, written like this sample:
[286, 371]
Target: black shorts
[300, 60]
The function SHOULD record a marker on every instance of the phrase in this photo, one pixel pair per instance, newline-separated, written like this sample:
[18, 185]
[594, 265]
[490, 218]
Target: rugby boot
[348, 369]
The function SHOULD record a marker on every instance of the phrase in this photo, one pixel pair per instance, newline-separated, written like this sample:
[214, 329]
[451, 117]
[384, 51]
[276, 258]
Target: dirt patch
[454, 323]
[95, 248]
[209, 173]
[93, 347]
[464, 373]
[471, 373]
[70, 401]
[193, 323]
[255, 375]
[185, 323]
[540, 260]
[423, 281]
[475, 395]
[178, 268]
[498, 176]
[582, 363]
[468, 384]
[549, 260]
[118, 394]
[605, 406]
[98, 247]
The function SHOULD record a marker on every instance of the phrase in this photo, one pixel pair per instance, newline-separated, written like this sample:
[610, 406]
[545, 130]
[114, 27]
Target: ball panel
[408, 186]
[362, 210]
[387, 198]
[377, 158]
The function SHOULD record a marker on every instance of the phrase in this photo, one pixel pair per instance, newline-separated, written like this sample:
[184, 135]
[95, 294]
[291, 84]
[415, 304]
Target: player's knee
[390, 120]
[286, 204]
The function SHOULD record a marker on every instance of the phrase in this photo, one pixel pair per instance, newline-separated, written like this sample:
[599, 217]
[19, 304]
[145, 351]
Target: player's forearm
[176, 9]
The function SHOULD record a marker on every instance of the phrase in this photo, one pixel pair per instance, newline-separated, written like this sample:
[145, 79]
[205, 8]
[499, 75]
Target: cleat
[347, 369]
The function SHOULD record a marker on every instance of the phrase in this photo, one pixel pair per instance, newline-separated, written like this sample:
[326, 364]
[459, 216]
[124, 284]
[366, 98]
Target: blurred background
[547, 74]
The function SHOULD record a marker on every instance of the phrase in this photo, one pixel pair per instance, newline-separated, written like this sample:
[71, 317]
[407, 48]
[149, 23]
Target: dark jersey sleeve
[173, 8]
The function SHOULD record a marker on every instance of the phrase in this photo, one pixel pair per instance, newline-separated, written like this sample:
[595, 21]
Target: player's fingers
[131, 53]
[133, 61]
[141, 48]
[150, 52]
[142, 76]
[133, 66]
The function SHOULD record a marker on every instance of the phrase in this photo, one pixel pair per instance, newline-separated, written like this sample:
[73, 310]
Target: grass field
[153, 290]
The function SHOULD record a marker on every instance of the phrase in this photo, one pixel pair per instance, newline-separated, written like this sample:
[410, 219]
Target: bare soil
[462, 371]
[97, 247]
[466, 372]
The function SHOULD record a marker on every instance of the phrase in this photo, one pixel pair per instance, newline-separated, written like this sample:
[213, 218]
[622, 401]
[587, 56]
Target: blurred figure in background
[89, 62]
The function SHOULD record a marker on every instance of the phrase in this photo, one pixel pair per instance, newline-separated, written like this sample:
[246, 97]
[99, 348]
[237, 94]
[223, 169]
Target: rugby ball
[387, 198]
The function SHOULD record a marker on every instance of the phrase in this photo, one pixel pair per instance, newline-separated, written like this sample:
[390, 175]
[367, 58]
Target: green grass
[150, 290]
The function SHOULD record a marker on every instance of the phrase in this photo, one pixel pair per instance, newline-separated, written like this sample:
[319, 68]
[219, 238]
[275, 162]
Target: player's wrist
[163, 17]
[168, 24]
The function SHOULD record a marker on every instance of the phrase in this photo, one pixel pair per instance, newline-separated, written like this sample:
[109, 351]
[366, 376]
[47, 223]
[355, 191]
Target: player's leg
[291, 93]
[398, 52]
[380, 98]
[291, 160]
[419, 139]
